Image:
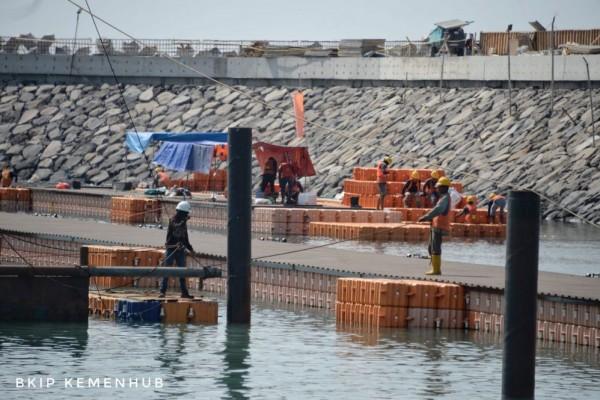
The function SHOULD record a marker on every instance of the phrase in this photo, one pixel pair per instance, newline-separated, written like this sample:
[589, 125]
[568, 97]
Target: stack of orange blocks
[135, 210]
[390, 303]
[370, 231]
[364, 186]
[110, 256]
[15, 199]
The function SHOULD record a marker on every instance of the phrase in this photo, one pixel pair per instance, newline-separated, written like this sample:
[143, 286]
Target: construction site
[365, 199]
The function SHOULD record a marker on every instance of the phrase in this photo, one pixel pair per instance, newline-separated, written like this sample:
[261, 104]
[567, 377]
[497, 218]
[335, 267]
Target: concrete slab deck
[549, 283]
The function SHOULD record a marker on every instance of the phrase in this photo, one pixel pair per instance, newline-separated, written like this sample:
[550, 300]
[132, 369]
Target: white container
[455, 197]
[307, 199]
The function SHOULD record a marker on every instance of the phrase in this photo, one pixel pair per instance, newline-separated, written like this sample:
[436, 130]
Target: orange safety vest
[163, 178]
[471, 217]
[442, 221]
[381, 178]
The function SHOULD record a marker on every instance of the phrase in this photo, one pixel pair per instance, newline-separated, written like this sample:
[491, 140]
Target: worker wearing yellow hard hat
[440, 225]
[412, 191]
[469, 211]
[430, 193]
[382, 172]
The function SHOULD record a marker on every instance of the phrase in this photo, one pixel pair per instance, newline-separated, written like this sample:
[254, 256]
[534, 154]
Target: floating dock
[568, 306]
[147, 307]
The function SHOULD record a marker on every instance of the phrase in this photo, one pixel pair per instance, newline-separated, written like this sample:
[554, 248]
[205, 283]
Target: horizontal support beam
[18, 270]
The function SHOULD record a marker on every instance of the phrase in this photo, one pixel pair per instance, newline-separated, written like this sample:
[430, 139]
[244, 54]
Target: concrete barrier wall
[467, 69]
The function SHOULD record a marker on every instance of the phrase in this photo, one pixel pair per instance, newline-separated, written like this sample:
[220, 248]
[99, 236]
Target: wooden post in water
[522, 246]
[238, 224]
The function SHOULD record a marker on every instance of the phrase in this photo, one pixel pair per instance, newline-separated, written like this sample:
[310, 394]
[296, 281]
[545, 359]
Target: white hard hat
[184, 206]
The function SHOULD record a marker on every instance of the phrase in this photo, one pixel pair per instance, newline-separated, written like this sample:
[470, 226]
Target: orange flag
[298, 101]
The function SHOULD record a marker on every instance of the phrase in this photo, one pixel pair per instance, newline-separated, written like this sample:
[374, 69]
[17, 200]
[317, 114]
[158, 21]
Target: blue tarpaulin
[137, 142]
[185, 156]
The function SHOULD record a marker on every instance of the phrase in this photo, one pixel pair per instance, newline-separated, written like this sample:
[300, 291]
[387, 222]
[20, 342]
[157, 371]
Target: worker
[287, 173]
[496, 202]
[440, 225]
[412, 191]
[268, 176]
[176, 245]
[294, 190]
[382, 172]
[430, 192]
[161, 178]
[7, 176]
[470, 210]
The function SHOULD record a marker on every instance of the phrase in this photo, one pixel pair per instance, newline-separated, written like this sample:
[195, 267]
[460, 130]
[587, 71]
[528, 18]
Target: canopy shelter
[192, 151]
[296, 155]
[139, 141]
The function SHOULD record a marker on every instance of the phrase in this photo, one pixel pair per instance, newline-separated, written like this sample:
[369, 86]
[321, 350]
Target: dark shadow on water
[65, 337]
[172, 348]
[235, 355]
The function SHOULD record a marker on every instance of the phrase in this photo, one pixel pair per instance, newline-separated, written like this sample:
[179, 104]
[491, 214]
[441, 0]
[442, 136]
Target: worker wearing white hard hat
[176, 245]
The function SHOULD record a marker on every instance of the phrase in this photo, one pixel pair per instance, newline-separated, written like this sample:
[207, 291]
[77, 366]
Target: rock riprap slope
[60, 132]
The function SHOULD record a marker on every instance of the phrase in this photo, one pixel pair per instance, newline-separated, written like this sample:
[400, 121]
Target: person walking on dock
[177, 243]
[382, 171]
[440, 225]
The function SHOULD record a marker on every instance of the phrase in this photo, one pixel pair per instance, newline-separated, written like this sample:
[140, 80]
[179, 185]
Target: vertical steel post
[83, 255]
[508, 30]
[552, 68]
[522, 246]
[587, 68]
[238, 225]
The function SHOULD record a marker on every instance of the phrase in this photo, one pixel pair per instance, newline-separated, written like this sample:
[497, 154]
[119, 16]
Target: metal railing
[211, 48]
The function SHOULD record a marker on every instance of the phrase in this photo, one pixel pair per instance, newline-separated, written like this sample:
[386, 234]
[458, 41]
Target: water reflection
[68, 338]
[235, 354]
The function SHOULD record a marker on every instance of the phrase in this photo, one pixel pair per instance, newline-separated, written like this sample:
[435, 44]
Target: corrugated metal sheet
[497, 42]
[543, 39]
[537, 41]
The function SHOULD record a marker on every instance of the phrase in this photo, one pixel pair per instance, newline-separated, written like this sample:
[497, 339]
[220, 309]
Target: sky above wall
[287, 20]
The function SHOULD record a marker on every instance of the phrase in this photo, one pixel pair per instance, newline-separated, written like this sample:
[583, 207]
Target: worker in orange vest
[430, 193]
[161, 178]
[287, 174]
[496, 202]
[382, 166]
[470, 210]
[412, 191]
[440, 225]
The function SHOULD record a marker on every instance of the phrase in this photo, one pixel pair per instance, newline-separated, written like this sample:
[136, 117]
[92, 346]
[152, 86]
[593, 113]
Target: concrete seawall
[61, 132]
[477, 71]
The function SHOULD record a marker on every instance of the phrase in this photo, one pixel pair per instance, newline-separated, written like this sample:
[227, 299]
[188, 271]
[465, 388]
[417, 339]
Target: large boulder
[52, 149]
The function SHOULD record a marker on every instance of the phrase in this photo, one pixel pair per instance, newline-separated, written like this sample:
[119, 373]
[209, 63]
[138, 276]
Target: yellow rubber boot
[436, 265]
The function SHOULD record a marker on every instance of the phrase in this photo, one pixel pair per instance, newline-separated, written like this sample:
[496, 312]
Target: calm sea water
[284, 354]
[564, 247]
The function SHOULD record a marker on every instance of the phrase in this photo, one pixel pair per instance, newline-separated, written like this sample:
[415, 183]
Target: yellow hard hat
[435, 174]
[414, 174]
[491, 195]
[471, 199]
[443, 181]
[387, 160]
